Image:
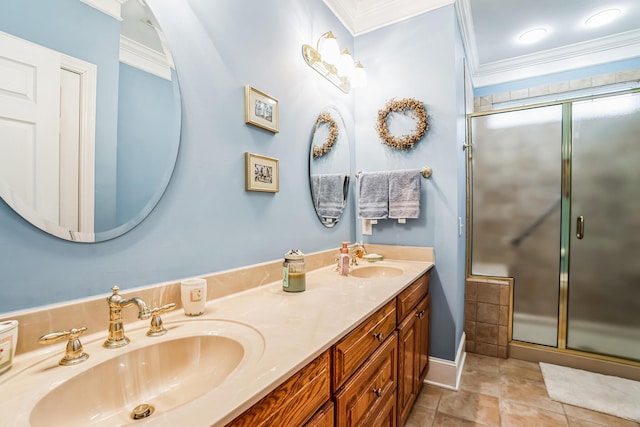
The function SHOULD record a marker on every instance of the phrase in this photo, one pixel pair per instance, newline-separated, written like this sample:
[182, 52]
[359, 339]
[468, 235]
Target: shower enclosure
[554, 193]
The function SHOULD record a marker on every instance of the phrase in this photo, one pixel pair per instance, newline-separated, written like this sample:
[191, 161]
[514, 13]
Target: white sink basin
[376, 271]
[150, 376]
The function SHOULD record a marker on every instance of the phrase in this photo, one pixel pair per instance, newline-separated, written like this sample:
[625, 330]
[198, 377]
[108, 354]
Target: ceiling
[490, 29]
[142, 43]
[139, 24]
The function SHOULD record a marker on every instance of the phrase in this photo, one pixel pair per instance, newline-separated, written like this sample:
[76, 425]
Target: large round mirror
[329, 163]
[89, 115]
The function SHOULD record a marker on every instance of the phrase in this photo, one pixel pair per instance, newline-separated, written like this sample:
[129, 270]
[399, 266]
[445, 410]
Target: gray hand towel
[404, 194]
[331, 194]
[373, 198]
[315, 188]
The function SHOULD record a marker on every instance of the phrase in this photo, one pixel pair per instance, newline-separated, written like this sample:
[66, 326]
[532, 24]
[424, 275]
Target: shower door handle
[580, 227]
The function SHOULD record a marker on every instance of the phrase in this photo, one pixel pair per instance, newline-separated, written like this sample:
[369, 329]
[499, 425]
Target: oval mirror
[329, 164]
[89, 115]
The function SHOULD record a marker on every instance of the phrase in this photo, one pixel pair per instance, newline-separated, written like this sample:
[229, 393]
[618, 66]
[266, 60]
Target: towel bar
[425, 172]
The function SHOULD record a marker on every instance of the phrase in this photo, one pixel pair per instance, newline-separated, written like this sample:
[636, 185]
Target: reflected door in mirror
[29, 125]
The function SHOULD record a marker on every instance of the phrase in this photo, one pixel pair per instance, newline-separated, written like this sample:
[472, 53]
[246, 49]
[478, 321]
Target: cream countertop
[295, 327]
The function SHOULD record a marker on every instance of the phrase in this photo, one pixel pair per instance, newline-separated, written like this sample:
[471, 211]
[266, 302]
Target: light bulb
[532, 36]
[328, 48]
[345, 64]
[602, 18]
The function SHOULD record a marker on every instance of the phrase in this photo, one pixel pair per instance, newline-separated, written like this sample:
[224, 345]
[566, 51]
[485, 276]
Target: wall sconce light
[335, 66]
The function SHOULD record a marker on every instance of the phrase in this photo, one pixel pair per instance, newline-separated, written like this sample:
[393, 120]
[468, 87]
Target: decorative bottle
[343, 262]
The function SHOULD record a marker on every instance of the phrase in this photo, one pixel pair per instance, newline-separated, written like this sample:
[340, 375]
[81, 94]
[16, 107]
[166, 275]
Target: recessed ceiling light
[602, 18]
[532, 36]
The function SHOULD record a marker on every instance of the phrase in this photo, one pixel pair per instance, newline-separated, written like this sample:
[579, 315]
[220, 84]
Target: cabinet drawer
[366, 393]
[322, 418]
[352, 350]
[411, 296]
[293, 402]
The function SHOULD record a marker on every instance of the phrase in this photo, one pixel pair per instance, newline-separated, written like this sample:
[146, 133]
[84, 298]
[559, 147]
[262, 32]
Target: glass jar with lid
[293, 269]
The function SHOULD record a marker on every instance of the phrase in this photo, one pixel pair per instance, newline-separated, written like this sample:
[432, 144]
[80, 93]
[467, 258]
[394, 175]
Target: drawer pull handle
[377, 391]
[420, 314]
[379, 336]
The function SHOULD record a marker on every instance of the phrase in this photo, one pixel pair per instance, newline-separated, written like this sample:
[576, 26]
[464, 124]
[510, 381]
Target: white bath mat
[603, 393]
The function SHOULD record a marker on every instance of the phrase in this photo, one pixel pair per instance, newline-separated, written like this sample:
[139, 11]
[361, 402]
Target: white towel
[331, 191]
[404, 194]
[373, 197]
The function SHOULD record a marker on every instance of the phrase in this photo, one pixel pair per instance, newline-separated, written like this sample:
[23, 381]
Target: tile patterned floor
[501, 393]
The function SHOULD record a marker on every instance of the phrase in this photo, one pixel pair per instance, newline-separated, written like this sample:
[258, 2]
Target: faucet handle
[74, 352]
[115, 297]
[157, 328]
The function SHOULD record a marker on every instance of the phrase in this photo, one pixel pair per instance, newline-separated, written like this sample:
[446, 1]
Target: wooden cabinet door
[366, 393]
[423, 314]
[408, 346]
[386, 417]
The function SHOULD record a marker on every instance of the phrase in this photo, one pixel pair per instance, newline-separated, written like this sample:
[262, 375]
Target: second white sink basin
[375, 271]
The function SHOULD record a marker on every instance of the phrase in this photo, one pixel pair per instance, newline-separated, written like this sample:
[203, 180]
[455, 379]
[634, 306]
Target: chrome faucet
[116, 303]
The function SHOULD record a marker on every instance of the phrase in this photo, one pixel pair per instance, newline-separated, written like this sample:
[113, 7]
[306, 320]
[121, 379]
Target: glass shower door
[604, 265]
[516, 181]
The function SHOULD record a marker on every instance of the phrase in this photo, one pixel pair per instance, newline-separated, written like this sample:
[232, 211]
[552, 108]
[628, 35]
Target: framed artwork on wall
[260, 173]
[261, 109]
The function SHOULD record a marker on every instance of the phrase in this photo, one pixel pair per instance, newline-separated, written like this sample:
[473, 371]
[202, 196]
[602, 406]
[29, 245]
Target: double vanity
[347, 351]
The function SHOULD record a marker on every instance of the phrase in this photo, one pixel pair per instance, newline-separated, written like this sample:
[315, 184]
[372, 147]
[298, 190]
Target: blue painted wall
[148, 126]
[83, 32]
[206, 221]
[421, 58]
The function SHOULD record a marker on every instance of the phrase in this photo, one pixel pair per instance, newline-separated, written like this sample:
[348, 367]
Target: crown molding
[360, 17]
[594, 52]
[112, 8]
[140, 56]
[345, 11]
[468, 33]
[381, 13]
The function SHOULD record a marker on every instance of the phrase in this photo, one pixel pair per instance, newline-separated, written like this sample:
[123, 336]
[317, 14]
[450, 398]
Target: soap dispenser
[343, 262]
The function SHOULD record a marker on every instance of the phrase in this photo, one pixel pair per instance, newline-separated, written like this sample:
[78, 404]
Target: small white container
[193, 293]
[8, 343]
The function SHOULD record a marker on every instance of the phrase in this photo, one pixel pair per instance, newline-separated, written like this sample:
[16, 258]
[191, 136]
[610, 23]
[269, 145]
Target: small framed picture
[261, 109]
[261, 173]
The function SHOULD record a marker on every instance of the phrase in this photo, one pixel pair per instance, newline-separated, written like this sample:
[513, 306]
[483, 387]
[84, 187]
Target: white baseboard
[445, 373]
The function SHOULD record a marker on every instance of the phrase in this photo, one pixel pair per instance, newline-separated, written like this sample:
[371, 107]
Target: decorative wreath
[325, 117]
[413, 108]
